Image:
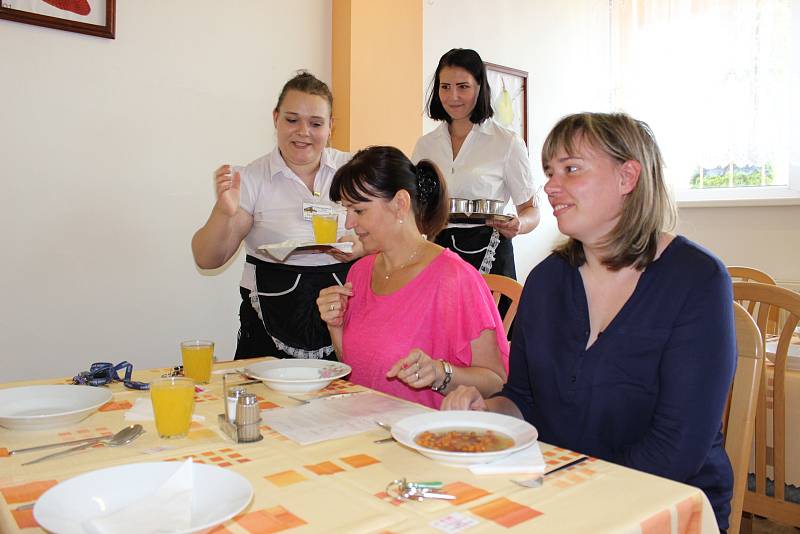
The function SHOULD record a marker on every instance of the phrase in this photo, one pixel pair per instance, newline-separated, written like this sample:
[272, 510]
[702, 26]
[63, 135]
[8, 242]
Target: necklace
[403, 266]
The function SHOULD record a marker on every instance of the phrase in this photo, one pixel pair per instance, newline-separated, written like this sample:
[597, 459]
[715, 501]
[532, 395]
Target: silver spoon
[123, 437]
[387, 428]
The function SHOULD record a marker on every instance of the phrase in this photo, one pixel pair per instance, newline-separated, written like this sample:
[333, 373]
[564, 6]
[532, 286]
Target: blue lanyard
[102, 373]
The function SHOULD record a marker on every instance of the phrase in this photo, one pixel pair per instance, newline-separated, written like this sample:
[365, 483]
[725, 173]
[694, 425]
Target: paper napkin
[529, 460]
[169, 509]
[143, 411]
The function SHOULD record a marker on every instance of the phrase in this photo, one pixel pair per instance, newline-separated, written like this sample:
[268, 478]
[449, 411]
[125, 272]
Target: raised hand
[229, 190]
[332, 303]
[508, 229]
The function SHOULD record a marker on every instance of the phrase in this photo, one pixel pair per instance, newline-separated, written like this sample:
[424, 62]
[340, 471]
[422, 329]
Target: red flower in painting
[81, 7]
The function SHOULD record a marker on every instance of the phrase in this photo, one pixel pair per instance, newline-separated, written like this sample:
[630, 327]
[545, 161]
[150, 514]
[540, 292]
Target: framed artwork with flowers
[92, 17]
[509, 97]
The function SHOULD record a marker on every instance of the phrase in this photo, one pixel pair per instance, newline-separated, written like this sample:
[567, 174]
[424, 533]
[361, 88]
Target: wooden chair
[768, 297]
[751, 274]
[740, 411]
[503, 286]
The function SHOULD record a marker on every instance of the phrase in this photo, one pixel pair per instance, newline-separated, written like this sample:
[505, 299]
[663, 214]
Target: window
[712, 78]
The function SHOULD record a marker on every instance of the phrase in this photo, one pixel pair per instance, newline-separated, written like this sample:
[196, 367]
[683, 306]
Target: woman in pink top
[413, 320]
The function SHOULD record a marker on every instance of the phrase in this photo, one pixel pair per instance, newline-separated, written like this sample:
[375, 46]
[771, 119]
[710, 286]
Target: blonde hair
[647, 211]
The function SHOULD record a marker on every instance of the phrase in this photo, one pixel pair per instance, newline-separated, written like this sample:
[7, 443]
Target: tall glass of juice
[173, 402]
[197, 355]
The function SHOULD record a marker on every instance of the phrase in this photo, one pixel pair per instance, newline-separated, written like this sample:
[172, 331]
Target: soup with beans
[464, 440]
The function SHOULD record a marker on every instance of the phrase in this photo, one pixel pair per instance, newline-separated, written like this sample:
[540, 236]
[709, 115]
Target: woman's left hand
[418, 370]
[508, 229]
[358, 249]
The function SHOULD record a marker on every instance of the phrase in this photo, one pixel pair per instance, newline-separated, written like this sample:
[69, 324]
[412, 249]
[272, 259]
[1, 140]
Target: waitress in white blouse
[480, 160]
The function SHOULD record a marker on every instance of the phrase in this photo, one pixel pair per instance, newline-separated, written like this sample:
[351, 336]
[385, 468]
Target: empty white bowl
[297, 376]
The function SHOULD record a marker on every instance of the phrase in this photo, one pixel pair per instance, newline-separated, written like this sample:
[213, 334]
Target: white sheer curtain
[711, 77]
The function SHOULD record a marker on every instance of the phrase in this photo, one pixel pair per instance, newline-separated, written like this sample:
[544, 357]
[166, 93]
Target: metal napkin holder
[234, 430]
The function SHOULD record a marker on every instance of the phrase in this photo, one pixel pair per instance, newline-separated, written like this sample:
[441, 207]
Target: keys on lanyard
[416, 491]
[102, 373]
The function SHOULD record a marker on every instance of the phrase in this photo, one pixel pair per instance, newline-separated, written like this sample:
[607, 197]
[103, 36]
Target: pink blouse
[441, 311]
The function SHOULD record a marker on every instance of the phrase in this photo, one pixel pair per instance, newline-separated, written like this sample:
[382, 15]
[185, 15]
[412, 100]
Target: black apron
[285, 301]
[483, 247]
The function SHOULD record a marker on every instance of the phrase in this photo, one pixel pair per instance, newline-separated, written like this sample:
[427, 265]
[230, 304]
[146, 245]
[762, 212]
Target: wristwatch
[448, 375]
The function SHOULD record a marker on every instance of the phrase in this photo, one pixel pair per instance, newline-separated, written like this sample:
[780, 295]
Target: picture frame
[90, 17]
[509, 89]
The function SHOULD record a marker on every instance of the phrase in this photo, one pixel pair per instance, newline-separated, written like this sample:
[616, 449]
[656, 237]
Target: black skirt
[280, 317]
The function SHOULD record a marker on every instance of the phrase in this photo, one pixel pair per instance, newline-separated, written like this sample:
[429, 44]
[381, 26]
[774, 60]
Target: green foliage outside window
[724, 176]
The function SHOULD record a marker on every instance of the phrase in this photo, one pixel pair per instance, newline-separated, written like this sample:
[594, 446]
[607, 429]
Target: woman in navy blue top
[624, 344]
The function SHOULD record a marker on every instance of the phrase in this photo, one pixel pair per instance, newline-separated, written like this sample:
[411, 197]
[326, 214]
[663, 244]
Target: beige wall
[107, 149]
[377, 49]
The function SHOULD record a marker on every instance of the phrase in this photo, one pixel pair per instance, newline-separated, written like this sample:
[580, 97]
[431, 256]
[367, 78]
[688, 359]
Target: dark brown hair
[470, 61]
[647, 211]
[382, 171]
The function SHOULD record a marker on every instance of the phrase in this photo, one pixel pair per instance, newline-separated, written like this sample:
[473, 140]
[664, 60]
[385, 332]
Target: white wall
[107, 149]
[564, 47]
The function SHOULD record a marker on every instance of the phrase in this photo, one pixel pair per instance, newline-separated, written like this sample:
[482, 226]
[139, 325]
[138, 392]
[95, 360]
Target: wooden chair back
[503, 286]
[740, 412]
[769, 297]
[751, 274]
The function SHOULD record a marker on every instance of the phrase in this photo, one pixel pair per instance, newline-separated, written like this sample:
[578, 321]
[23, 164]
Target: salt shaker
[231, 398]
[248, 415]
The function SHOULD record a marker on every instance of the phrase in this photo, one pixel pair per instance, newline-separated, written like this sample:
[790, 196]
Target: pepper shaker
[248, 415]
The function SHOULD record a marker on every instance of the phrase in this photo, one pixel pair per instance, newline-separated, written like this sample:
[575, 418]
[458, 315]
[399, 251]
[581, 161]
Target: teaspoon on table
[123, 437]
[385, 427]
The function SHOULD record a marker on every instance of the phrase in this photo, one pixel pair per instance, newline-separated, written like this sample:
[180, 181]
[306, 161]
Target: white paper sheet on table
[337, 417]
[143, 411]
[529, 461]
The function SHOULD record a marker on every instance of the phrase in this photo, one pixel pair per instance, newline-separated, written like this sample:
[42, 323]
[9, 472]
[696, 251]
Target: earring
[400, 220]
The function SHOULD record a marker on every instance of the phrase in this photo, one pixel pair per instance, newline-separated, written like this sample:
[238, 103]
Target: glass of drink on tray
[197, 355]
[325, 226]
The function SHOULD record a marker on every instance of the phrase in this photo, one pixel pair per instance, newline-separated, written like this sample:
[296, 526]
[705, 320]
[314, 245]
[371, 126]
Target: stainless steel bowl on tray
[460, 205]
[486, 206]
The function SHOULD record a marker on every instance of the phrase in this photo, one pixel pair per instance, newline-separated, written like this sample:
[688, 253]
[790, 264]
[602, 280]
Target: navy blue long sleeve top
[650, 391]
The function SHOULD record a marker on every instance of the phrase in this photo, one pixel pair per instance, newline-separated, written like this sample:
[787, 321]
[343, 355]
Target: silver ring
[417, 375]
[333, 307]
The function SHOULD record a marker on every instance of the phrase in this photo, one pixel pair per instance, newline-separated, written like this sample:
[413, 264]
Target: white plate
[49, 406]
[523, 433]
[297, 376]
[218, 494]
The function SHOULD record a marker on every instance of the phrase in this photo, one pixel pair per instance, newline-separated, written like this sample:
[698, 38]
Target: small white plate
[297, 376]
[49, 406]
[217, 495]
[406, 430]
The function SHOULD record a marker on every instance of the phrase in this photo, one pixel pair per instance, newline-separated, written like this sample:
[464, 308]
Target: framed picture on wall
[92, 17]
[509, 97]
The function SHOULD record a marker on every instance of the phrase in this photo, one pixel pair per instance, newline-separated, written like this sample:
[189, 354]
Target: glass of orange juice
[325, 226]
[197, 355]
[173, 402]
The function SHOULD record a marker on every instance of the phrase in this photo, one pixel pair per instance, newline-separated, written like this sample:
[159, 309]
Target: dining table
[340, 485]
